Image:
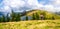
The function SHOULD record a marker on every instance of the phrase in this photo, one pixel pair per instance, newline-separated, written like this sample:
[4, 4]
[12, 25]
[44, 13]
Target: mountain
[47, 14]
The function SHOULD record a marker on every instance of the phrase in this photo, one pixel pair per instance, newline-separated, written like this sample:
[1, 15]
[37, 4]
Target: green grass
[32, 24]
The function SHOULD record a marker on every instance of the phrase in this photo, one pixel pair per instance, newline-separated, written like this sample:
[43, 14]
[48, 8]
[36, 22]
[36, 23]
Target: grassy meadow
[31, 24]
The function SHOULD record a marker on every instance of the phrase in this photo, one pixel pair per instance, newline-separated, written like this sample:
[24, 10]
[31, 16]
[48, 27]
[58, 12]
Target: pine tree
[18, 17]
[8, 18]
[37, 16]
[33, 17]
[13, 16]
[0, 19]
[26, 17]
[3, 19]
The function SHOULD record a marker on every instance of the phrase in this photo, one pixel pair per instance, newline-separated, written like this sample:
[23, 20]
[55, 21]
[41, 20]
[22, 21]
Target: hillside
[47, 14]
[32, 24]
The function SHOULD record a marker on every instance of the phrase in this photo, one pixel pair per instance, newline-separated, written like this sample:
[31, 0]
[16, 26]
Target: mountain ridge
[48, 14]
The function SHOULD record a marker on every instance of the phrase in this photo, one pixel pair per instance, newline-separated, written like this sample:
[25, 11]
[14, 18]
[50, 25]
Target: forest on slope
[34, 14]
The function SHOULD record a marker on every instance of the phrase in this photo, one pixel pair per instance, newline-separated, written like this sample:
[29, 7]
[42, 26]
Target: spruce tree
[0, 19]
[13, 16]
[8, 18]
[18, 17]
[37, 16]
[3, 19]
[33, 17]
[26, 17]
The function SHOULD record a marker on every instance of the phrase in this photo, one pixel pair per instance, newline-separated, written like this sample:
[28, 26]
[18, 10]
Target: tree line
[17, 17]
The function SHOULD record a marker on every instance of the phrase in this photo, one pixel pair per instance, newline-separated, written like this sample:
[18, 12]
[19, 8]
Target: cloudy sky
[20, 5]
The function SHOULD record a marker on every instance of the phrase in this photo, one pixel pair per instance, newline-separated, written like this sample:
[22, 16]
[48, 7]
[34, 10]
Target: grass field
[32, 24]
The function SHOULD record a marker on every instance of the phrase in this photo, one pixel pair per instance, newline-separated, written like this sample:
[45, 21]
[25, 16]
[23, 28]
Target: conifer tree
[26, 17]
[8, 18]
[33, 17]
[18, 17]
[0, 19]
[3, 19]
[13, 16]
[37, 16]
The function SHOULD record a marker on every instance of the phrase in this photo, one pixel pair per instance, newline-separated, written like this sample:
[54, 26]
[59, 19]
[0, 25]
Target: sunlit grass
[32, 24]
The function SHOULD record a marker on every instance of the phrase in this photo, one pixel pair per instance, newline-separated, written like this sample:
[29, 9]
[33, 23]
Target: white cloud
[14, 3]
[57, 2]
[49, 7]
[10, 4]
[53, 5]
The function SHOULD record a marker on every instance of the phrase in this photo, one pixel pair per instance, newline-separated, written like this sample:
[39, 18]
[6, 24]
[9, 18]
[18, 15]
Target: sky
[20, 5]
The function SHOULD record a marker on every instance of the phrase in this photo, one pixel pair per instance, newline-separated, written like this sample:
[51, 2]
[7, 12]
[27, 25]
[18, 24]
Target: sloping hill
[32, 24]
[47, 14]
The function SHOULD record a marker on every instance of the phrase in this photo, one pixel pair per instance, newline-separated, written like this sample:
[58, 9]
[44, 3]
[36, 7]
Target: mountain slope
[47, 14]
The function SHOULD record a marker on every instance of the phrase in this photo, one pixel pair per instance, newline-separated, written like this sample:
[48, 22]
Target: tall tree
[13, 16]
[0, 19]
[3, 19]
[8, 18]
[33, 17]
[18, 17]
[37, 16]
[26, 17]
